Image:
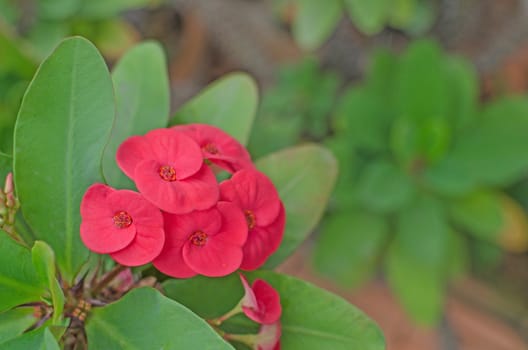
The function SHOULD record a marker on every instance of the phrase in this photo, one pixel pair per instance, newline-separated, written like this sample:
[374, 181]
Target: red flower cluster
[182, 219]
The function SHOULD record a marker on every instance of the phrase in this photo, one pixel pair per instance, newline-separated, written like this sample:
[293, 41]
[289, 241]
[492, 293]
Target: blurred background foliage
[422, 101]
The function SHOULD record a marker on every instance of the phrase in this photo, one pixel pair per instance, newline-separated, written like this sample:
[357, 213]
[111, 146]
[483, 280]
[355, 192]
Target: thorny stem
[108, 278]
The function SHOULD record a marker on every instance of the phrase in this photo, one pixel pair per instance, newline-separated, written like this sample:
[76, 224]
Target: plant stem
[108, 278]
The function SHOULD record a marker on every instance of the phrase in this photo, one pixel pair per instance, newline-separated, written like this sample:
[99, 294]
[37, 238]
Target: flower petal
[176, 150]
[252, 190]
[269, 308]
[214, 259]
[146, 246]
[184, 225]
[93, 204]
[198, 192]
[170, 260]
[268, 337]
[131, 152]
[262, 242]
[234, 227]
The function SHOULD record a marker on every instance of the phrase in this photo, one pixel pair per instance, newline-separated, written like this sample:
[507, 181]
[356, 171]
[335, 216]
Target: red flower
[205, 242]
[218, 146]
[255, 194]
[169, 171]
[268, 337]
[261, 302]
[121, 223]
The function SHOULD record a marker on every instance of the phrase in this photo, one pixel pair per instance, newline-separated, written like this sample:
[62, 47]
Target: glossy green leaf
[480, 213]
[368, 16]
[315, 21]
[419, 287]
[61, 131]
[98, 9]
[195, 293]
[304, 177]
[44, 261]
[314, 319]
[383, 187]
[229, 103]
[492, 150]
[349, 246]
[145, 319]
[19, 282]
[15, 321]
[463, 91]
[40, 339]
[142, 101]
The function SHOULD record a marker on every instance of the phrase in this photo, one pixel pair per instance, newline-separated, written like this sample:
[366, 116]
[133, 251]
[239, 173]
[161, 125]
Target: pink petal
[143, 212]
[269, 308]
[184, 225]
[252, 190]
[234, 227]
[249, 300]
[198, 192]
[170, 260]
[228, 152]
[268, 337]
[103, 237]
[262, 242]
[93, 204]
[214, 259]
[131, 152]
[176, 150]
[146, 246]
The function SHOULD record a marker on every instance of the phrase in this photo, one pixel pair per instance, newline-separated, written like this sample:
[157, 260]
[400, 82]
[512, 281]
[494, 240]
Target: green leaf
[418, 286]
[145, 319]
[100, 9]
[314, 319]
[315, 21]
[463, 91]
[421, 91]
[40, 339]
[16, 56]
[142, 98]
[368, 16]
[492, 150]
[422, 232]
[6, 166]
[62, 128]
[195, 293]
[349, 246]
[15, 321]
[384, 188]
[449, 177]
[19, 282]
[480, 213]
[360, 117]
[304, 177]
[44, 262]
[229, 103]
[57, 10]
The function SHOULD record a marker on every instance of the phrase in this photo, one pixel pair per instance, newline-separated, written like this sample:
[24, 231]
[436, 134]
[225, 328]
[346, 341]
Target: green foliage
[314, 319]
[195, 293]
[430, 164]
[40, 339]
[145, 319]
[315, 21]
[14, 322]
[304, 177]
[19, 282]
[296, 109]
[58, 166]
[142, 102]
[237, 94]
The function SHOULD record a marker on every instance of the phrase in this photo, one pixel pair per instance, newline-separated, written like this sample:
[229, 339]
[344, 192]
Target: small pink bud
[8, 187]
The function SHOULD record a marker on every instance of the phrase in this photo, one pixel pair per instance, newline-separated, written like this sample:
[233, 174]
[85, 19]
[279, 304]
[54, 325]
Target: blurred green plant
[314, 20]
[422, 168]
[297, 108]
[29, 30]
